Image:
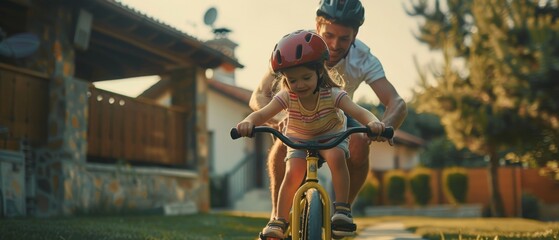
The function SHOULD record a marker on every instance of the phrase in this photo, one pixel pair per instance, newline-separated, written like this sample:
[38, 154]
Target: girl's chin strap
[319, 82]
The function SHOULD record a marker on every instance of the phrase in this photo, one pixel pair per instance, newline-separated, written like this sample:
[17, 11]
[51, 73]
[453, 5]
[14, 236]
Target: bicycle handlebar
[388, 133]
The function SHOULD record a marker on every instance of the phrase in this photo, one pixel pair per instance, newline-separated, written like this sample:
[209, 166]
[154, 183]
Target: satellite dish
[19, 45]
[210, 16]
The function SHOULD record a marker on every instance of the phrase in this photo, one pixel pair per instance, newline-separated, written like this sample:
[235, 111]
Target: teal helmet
[347, 12]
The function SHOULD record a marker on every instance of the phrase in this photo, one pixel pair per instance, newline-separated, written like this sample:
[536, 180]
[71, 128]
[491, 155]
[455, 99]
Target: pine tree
[497, 87]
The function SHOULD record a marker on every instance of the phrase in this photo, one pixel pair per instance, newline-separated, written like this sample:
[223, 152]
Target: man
[338, 22]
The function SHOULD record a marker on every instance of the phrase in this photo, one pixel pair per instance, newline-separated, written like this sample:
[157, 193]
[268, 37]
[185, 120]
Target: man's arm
[396, 109]
[263, 93]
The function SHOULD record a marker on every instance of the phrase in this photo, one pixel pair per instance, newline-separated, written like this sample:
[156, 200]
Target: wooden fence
[23, 107]
[126, 128]
[513, 183]
[119, 127]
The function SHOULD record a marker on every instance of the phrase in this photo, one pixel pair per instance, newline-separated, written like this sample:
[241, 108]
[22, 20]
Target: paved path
[387, 231]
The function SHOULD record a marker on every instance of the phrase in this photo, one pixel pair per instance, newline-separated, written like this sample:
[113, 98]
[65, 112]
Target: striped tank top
[324, 121]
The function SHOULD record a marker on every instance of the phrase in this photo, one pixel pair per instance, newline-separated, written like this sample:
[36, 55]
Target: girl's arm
[259, 117]
[360, 114]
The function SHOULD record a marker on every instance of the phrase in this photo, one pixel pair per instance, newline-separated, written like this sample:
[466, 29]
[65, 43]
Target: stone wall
[125, 188]
[12, 184]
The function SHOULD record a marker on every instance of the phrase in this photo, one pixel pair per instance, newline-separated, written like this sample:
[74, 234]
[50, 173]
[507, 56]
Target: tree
[497, 87]
[441, 152]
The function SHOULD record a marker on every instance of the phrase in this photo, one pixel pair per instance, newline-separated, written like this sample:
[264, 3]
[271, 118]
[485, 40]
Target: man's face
[338, 38]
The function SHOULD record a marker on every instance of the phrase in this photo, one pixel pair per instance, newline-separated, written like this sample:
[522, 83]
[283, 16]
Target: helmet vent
[341, 4]
[308, 37]
[299, 51]
[278, 57]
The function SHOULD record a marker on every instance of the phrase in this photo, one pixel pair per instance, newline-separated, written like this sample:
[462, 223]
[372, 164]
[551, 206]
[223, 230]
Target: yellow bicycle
[310, 212]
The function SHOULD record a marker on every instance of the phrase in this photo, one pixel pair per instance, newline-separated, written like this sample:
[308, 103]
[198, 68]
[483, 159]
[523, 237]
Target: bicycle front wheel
[312, 216]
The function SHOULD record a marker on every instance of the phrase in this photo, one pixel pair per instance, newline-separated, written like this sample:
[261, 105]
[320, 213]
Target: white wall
[409, 157]
[223, 114]
[381, 156]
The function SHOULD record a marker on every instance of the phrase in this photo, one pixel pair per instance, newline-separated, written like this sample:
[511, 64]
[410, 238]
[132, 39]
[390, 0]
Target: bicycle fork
[311, 181]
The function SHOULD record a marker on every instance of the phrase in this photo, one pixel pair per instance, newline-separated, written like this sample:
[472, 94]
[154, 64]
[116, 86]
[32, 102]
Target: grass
[243, 226]
[472, 228]
[198, 226]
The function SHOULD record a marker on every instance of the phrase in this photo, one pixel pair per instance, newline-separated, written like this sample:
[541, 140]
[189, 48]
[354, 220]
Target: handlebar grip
[388, 133]
[234, 133]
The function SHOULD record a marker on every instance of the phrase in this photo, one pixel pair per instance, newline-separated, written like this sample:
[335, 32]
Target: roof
[236, 93]
[403, 137]
[239, 94]
[127, 43]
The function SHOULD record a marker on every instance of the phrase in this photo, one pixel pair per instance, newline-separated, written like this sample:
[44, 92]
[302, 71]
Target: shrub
[395, 186]
[455, 184]
[530, 206]
[420, 185]
[551, 170]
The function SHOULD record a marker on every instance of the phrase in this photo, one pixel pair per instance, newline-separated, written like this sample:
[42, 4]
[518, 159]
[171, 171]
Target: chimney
[226, 72]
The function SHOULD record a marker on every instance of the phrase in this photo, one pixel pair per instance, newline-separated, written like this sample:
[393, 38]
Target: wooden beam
[130, 52]
[105, 29]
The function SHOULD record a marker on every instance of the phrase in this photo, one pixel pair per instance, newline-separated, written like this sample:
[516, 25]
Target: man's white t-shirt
[360, 65]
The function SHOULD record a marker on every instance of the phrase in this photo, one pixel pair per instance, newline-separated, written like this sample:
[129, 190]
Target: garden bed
[447, 211]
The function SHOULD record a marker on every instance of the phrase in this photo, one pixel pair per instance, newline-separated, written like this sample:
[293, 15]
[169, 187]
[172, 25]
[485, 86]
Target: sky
[258, 24]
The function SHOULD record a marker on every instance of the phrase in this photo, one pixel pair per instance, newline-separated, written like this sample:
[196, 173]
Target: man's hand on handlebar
[379, 127]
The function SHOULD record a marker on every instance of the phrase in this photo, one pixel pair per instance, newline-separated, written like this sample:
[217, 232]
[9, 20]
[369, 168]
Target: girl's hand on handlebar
[245, 128]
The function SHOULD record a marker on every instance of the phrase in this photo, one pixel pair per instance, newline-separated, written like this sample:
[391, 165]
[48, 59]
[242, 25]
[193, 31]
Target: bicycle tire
[312, 218]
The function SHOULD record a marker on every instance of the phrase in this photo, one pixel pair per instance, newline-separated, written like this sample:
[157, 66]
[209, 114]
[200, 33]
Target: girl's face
[301, 80]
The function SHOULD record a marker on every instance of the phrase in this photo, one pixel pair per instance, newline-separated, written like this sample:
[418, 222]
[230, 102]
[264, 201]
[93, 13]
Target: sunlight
[131, 87]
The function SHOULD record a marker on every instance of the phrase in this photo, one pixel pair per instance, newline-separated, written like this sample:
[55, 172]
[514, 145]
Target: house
[403, 155]
[67, 147]
[238, 167]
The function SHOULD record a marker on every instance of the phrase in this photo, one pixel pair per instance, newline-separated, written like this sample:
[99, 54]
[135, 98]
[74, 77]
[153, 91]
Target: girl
[314, 105]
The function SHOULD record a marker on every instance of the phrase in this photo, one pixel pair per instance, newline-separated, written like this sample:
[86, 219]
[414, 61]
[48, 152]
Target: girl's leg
[294, 174]
[342, 221]
[335, 158]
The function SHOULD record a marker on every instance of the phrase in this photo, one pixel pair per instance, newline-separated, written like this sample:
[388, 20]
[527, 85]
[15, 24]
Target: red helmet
[298, 48]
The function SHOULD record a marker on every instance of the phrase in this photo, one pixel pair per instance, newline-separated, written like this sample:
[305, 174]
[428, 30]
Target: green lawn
[199, 226]
[241, 226]
[473, 228]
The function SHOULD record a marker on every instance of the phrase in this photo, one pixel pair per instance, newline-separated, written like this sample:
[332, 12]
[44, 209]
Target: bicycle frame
[311, 181]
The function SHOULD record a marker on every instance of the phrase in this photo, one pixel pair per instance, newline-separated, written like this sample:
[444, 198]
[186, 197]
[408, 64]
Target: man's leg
[276, 171]
[358, 163]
